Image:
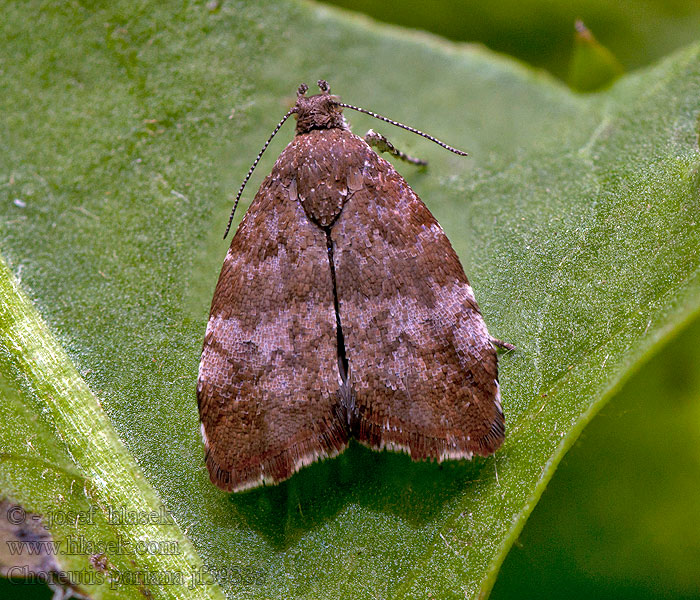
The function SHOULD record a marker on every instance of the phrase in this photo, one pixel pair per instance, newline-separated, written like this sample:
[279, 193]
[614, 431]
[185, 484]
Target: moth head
[322, 111]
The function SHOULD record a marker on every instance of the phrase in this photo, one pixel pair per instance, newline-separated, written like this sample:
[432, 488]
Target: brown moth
[341, 312]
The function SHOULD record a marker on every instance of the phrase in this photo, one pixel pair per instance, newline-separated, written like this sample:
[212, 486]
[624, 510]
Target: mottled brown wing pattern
[341, 310]
[422, 368]
[268, 380]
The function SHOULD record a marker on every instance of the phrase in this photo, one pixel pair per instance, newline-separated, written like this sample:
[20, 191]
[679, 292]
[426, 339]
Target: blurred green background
[621, 517]
[541, 32]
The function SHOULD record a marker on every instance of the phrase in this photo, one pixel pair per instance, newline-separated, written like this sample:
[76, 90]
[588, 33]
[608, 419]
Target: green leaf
[592, 65]
[539, 31]
[620, 517]
[125, 132]
[62, 460]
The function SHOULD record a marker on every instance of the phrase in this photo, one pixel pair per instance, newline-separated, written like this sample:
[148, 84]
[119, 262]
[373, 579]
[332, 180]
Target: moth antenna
[406, 127]
[302, 90]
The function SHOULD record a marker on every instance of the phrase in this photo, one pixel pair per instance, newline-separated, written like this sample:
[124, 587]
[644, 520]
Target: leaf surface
[126, 131]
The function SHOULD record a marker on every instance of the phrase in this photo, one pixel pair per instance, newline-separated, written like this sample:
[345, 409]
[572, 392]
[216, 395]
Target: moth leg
[383, 145]
[501, 344]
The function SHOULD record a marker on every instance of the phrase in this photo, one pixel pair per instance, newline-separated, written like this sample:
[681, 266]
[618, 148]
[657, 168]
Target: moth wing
[268, 378]
[422, 369]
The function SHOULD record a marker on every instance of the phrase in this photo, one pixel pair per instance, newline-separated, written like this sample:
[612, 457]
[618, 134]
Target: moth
[341, 312]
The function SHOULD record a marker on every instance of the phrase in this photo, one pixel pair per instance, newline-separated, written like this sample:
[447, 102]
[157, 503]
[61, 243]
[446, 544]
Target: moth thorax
[318, 112]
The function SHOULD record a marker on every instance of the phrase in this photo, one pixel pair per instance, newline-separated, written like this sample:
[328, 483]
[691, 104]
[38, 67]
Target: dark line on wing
[342, 356]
